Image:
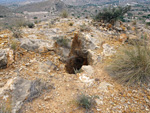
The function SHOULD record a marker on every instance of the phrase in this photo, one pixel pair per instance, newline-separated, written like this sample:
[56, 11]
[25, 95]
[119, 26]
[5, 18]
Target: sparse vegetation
[63, 42]
[35, 17]
[21, 23]
[148, 23]
[112, 14]
[64, 14]
[70, 24]
[17, 33]
[31, 25]
[85, 101]
[132, 66]
[77, 71]
[14, 45]
[134, 22]
[5, 108]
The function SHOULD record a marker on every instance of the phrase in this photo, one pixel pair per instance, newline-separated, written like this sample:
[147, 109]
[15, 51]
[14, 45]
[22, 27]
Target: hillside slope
[100, 2]
[42, 6]
[4, 11]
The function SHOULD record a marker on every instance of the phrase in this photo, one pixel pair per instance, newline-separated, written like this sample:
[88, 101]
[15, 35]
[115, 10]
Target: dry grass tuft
[132, 66]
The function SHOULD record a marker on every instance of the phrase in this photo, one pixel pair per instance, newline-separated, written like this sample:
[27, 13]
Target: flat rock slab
[23, 91]
[36, 45]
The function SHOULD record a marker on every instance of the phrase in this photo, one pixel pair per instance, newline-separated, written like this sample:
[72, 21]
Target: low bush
[17, 33]
[5, 108]
[64, 14]
[132, 65]
[14, 45]
[112, 14]
[85, 101]
[71, 24]
[31, 25]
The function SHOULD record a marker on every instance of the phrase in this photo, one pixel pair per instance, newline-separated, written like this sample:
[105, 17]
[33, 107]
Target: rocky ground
[33, 76]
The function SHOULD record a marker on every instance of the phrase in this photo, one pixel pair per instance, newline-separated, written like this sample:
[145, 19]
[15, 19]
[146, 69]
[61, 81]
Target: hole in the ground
[75, 63]
[78, 55]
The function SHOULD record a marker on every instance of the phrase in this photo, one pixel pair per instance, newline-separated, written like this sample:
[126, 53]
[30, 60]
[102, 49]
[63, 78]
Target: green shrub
[14, 45]
[31, 25]
[132, 66]
[35, 17]
[148, 23]
[112, 14]
[85, 101]
[71, 24]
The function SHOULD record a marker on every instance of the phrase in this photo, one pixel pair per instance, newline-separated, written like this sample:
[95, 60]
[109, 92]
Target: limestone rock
[93, 58]
[108, 50]
[103, 87]
[6, 86]
[91, 42]
[23, 91]
[20, 92]
[3, 59]
[36, 45]
[6, 57]
[83, 78]
[88, 69]
[71, 30]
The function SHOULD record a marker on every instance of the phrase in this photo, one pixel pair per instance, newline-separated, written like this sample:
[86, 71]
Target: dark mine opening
[78, 55]
[75, 63]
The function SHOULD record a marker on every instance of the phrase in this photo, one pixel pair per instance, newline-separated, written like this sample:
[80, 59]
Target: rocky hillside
[4, 11]
[100, 2]
[42, 6]
[46, 68]
[84, 2]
